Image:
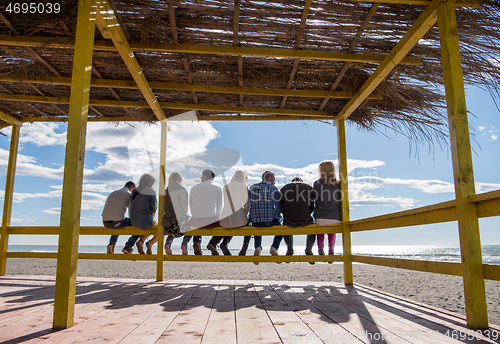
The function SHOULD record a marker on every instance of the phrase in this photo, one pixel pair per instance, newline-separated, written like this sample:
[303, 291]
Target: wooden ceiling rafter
[40, 59]
[458, 3]
[175, 37]
[157, 85]
[167, 105]
[353, 44]
[423, 24]
[236, 28]
[110, 28]
[317, 55]
[300, 33]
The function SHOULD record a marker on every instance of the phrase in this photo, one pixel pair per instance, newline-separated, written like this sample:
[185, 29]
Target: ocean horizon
[442, 253]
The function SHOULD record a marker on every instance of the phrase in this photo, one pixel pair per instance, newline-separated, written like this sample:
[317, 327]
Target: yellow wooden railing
[488, 205]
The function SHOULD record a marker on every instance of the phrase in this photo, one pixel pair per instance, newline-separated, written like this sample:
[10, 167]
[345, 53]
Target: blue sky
[384, 176]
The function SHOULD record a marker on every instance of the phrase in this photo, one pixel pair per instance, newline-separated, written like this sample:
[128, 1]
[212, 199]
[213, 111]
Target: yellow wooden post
[344, 187]
[9, 192]
[163, 158]
[470, 244]
[64, 301]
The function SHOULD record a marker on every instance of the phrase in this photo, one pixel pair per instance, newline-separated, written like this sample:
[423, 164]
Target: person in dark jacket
[296, 205]
[142, 211]
[327, 204]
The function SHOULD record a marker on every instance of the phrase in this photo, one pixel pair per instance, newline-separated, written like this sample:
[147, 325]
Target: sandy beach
[441, 291]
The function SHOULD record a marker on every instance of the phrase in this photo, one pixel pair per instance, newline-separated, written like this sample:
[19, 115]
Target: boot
[149, 245]
[110, 249]
[140, 244]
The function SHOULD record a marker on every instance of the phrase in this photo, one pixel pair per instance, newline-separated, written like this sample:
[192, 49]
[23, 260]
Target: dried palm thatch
[412, 95]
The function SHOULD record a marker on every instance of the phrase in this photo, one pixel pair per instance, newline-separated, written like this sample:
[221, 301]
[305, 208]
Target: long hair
[327, 172]
[175, 177]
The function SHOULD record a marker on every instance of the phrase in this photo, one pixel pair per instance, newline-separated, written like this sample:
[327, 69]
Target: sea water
[491, 253]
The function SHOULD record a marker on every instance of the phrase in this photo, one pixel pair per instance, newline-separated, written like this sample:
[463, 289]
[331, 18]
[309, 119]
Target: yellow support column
[161, 239]
[344, 187]
[9, 192]
[470, 244]
[64, 301]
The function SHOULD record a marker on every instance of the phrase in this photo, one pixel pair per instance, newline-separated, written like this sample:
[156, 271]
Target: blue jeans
[117, 225]
[257, 240]
[289, 238]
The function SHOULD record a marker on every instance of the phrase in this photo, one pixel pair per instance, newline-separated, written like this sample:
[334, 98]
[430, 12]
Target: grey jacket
[328, 200]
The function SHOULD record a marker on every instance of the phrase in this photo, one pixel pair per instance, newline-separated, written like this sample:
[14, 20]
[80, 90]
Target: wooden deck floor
[144, 311]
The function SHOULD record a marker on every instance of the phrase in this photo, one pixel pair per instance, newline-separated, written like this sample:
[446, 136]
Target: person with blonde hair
[235, 211]
[175, 218]
[327, 206]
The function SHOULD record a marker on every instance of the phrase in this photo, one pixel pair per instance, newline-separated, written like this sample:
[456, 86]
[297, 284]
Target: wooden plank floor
[175, 311]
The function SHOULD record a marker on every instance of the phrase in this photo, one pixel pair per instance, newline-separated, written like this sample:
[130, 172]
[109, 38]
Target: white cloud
[494, 137]
[28, 166]
[52, 211]
[42, 134]
[481, 128]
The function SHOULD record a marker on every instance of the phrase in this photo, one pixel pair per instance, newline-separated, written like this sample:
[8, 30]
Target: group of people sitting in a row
[233, 206]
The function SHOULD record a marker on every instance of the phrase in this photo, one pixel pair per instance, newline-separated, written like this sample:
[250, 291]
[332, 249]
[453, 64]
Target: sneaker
[321, 252]
[212, 249]
[309, 253]
[330, 253]
[197, 249]
[243, 250]
[149, 247]
[110, 249]
[274, 252]
[184, 250]
[140, 247]
[127, 250]
[257, 252]
[168, 250]
[225, 250]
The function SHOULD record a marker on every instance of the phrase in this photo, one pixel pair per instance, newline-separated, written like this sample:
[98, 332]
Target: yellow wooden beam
[110, 28]
[426, 20]
[462, 3]
[487, 204]
[64, 301]
[436, 213]
[344, 187]
[165, 105]
[156, 85]
[9, 119]
[491, 272]
[161, 201]
[9, 192]
[446, 268]
[468, 224]
[58, 43]
[199, 118]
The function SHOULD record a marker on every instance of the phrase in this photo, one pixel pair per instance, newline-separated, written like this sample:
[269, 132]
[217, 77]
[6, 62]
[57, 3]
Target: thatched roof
[410, 98]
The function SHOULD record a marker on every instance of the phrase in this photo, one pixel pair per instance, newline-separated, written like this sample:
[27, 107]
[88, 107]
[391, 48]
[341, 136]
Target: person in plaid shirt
[264, 206]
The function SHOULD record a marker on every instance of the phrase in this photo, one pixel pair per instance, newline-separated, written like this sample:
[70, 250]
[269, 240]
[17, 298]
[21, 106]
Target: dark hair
[266, 174]
[130, 184]
[297, 179]
[209, 174]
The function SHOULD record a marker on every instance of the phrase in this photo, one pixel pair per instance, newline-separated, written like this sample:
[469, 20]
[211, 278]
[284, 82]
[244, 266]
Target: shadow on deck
[182, 311]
